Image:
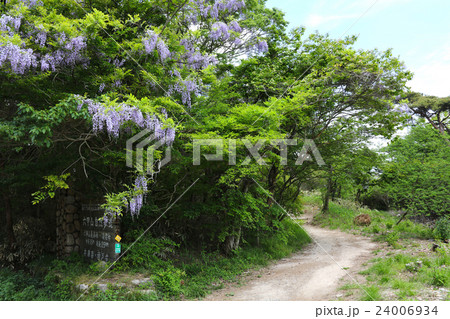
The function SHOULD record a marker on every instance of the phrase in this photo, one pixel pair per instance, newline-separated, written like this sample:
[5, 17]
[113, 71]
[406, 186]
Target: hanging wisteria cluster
[192, 59]
[132, 201]
[69, 55]
[21, 60]
[404, 109]
[197, 9]
[112, 119]
[10, 24]
[136, 202]
[184, 88]
[152, 42]
[32, 3]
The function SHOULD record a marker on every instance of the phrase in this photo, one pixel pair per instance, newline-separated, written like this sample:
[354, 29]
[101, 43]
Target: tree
[435, 110]
[415, 176]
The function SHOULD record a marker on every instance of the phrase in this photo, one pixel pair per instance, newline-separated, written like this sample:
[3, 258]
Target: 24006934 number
[403, 310]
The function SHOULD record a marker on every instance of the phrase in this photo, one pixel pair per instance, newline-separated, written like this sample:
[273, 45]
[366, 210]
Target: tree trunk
[326, 199]
[9, 222]
[232, 241]
[271, 182]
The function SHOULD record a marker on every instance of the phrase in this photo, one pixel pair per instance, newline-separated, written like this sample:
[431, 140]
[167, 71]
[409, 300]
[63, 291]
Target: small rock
[82, 287]
[136, 282]
[147, 291]
[69, 200]
[70, 240]
[71, 209]
[69, 218]
[146, 280]
[101, 265]
[102, 287]
[68, 249]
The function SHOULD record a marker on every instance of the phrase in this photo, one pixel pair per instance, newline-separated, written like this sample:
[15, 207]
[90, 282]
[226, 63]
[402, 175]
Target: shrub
[148, 252]
[392, 239]
[440, 277]
[169, 281]
[442, 228]
[30, 236]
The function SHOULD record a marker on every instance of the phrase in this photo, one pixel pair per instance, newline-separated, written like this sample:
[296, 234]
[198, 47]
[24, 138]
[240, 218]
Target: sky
[418, 31]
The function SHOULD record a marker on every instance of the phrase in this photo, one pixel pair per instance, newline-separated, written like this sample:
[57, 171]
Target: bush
[442, 229]
[440, 277]
[169, 281]
[30, 236]
[146, 253]
[392, 239]
[375, 198]
[19, 286]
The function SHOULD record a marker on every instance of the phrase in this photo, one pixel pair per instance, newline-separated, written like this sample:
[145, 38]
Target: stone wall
[68, 225]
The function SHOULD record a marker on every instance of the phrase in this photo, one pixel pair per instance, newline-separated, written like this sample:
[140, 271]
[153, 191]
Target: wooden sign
[97, 239]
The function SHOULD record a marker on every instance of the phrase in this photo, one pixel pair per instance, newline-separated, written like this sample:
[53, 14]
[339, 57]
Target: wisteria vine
[31, 47]
[113, 118]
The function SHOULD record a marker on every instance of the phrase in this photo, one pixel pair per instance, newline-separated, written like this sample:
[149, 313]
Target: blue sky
[418, 31]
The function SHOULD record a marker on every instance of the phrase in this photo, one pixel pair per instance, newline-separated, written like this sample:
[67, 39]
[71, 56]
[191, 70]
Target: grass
[186, 275]
[342, 213]
[407, 276]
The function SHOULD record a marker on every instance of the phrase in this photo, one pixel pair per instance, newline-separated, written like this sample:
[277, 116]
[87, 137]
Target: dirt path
[311, 274]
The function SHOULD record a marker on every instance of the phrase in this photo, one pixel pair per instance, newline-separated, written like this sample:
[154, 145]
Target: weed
[371, 293]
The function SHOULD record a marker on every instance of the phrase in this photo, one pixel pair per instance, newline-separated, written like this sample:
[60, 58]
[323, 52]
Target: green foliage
[169, 281]
[343, 212]
[147, 253]
[371, 293]
[30, 234]
[53, 184]
[392, 239]
[442, 228]
[19, 286]
[441, 277]
[394, 273]
[416, 177]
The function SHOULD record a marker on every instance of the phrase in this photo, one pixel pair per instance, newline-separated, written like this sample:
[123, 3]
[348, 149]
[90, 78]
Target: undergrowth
[175, 273]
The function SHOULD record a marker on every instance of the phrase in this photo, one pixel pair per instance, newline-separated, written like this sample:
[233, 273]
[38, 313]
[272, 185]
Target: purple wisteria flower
[32, 3]
[163, 51]
[404, 109]
[10, 24]
[150, 41]
[101, 87]
[197, 9]
[185, 88]
[233, 25]
[262, 46]
[20, 60]
[41, 38]
[137, 201]
[112, 119]
[219, 31]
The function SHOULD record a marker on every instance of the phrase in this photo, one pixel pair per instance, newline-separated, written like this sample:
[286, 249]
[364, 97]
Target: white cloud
[432, 79]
